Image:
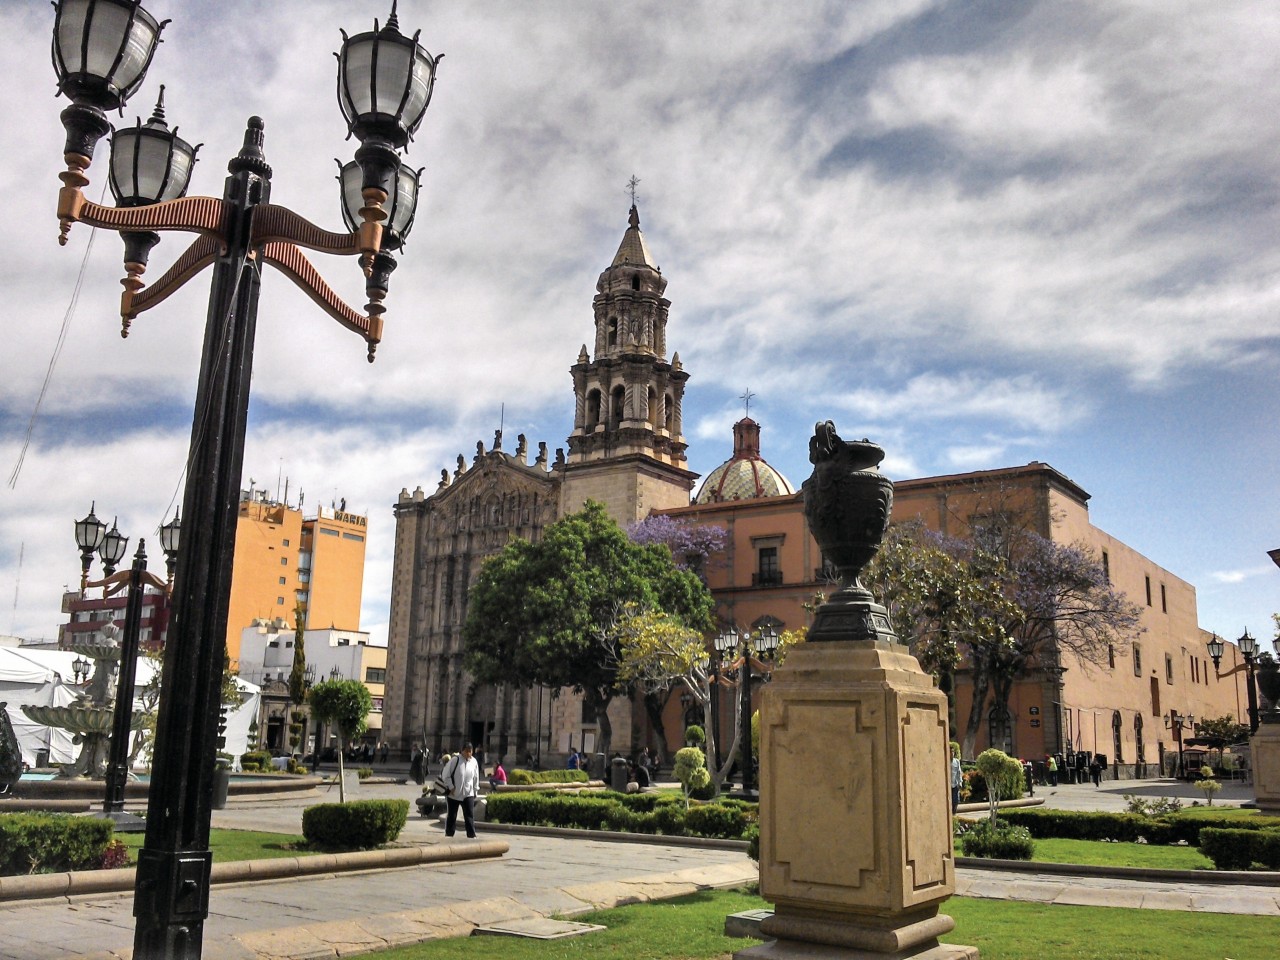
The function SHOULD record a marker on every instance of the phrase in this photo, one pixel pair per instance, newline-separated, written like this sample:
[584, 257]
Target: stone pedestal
[1265, 747]
[855, 806]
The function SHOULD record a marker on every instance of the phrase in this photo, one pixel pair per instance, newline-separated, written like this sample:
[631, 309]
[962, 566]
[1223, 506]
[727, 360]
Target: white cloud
[1017, 400]
[1089, 211]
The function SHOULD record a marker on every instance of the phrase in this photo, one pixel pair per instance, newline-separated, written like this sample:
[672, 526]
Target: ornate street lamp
[170, 540]
[149, 164]
[111, 549]
[89, 534]
[335, 673]
[80, 666]
[725, 643]
[101, 52]
[1249, 651]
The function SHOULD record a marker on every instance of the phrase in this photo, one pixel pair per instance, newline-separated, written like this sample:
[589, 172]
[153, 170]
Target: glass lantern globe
[102, 48]
[385, 81]
[401, 206]
[89, 532]
[150, 163]
[111, 549]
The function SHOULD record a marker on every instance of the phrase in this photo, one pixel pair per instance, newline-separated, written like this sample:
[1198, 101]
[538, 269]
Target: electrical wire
[57, 351]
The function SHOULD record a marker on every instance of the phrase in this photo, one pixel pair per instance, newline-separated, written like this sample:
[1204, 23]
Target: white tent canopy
[40, 677]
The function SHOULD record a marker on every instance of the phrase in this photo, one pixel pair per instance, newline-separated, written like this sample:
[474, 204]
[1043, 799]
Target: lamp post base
[124, 822]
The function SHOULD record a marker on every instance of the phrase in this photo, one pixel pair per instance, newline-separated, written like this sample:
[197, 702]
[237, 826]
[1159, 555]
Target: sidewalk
[341, 914]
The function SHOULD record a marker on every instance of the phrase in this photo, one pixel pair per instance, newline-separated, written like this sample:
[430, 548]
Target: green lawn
[691, 928]
[1096, 854]
[228, 845]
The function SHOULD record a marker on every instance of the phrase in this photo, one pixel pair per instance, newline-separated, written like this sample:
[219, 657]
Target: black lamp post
[766, 642]
[724, 643]
[101, 52]
[1249, 651]
[1177, 723]
[80, 668]
[111, 549]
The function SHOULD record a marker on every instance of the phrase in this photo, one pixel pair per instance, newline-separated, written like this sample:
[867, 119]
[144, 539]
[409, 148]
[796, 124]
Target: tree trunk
[654, 701]
[342, 781]
[599, 704]
[980, 682]
[947, 684]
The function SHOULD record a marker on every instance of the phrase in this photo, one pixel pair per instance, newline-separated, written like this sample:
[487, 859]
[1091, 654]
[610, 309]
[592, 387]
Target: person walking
[957, 777]
[417, 764]
[1095, 772]
[462, 774]
[1052, 764]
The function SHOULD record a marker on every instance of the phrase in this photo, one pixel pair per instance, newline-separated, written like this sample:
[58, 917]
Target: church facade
[626, 451]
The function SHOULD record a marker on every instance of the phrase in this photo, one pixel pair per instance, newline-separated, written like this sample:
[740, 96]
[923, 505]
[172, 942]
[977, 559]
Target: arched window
[613, 331]
[653, 408]
[669, 414]
[593, 409]
[635, 281]
[1115, 730]
[1139, 745]
[617, 404]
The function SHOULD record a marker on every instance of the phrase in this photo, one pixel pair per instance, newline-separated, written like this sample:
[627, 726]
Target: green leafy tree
[552, 612]
[345, 705]
[1222, 731]
[657, 653]
[943, 606]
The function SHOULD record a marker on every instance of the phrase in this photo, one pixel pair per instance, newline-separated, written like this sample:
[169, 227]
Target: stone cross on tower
[631, 188]
[745, 397]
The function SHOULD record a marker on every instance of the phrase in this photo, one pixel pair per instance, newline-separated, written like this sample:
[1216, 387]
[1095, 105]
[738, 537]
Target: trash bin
[42, 757]
[618, 774]
[221, 784]
[596, 768]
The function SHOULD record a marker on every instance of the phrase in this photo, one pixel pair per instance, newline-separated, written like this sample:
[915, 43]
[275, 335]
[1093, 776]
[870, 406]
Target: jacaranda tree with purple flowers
[692, 545]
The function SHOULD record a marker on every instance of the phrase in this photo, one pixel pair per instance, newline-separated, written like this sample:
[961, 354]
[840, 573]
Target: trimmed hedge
[255, 760]
[1128, 827]
[629, 813]
[523, 778]
[51, 843]
[999, 840]
[358, 825]
[716, 820]
[1232, 849]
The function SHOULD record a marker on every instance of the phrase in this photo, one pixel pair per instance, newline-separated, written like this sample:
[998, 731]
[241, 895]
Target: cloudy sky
[980, 233]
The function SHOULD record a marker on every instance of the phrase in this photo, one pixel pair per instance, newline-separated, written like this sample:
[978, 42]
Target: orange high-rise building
[285, 562]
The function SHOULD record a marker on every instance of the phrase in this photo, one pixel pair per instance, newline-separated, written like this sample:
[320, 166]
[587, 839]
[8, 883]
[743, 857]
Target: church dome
[745, 475]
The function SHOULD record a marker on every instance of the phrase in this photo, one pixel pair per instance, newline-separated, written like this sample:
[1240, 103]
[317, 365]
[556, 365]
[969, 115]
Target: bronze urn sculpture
[847, 503]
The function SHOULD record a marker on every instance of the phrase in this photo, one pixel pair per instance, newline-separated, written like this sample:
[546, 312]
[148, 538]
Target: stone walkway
[341, 914]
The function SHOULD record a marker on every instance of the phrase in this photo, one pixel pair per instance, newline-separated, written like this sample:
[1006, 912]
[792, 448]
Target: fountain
[90, 717]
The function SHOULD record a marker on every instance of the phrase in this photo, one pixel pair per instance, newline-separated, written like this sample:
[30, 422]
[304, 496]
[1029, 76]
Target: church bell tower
[627, 449]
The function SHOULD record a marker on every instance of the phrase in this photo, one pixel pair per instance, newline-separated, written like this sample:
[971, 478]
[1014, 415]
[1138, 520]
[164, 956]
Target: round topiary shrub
[998, 840]
[356, 825]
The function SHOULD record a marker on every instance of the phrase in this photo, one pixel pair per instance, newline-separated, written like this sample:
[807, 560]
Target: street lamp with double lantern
[101, 52]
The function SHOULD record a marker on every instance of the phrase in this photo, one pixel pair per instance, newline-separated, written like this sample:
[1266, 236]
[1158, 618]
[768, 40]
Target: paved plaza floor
[340, 914]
